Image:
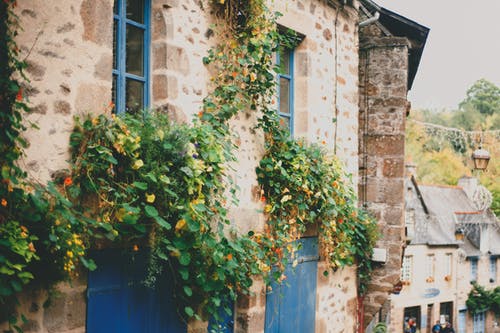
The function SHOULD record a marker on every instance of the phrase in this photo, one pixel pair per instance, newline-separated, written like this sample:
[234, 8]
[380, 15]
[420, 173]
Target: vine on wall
[480, 300]
[143, 177]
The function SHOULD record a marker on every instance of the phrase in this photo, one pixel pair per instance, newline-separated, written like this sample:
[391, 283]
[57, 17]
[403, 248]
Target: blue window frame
[473, 269]
[285, 61]
[131, 36]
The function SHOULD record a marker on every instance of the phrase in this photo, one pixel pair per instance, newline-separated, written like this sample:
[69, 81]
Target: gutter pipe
[371, 20]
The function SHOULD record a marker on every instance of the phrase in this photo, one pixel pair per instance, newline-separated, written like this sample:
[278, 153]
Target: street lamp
[481, 157]
[459, 234]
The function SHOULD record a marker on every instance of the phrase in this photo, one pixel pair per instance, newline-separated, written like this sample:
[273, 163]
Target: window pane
[113, 92]
[115, 43]
[134, 51]
[134, 91]
[285, 123]
[135, 10]
[284, 95]
[285, 61]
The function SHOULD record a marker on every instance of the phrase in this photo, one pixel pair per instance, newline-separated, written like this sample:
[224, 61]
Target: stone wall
[383, 72]
[68, 46]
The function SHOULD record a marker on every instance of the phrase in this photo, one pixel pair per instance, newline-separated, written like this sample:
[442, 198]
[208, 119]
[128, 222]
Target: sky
[463, 46]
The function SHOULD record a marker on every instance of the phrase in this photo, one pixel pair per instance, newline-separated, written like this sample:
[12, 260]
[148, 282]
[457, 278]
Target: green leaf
[7, 271]
[162, 222]
[193, 226]
[90, 264]
[188, 291]
[16, 285]
[185, 258]
[184, 272]
[189, 311]
[25, 275]
[187, 171]
[140, 185]
[150, 211]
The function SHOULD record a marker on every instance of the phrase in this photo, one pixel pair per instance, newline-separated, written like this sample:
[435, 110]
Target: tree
[482, 96]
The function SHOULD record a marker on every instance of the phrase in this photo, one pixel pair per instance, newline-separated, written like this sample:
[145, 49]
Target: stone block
[92, 98]
[246, 301]
[394, 215]
[159, 55]
[75, 310]
[393, 234]
[62, 107]
[53, 316]
[301, 122]
[35, 70]
[164, 86]
[162, 27]
[30, 326]
[386, 145]
[177, 59]
[97, 19]
[302, 63]
[327, 34]
[104, 67]
[393, 167]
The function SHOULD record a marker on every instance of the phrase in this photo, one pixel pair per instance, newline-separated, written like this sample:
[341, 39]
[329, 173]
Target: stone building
[389, 50]
[358, 78]
[452, 241]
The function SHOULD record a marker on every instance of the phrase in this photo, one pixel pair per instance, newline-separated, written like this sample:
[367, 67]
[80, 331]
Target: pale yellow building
[452, 240]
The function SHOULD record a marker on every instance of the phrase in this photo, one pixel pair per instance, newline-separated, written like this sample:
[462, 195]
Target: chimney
[410, 170]
[469, 185]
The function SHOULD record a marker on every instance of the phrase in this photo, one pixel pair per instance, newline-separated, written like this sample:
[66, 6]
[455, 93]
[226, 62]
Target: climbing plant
[480, 300]
[143, 181]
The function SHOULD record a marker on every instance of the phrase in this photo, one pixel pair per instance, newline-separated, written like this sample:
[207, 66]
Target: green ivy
[143, 181]
[480, 300]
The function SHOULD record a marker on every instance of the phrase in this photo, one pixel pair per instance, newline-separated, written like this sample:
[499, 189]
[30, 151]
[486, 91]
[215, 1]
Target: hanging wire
[459, 139]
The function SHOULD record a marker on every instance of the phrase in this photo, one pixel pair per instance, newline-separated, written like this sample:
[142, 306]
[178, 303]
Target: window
[285, 87]
[473, 269]
[130, 55]
[448, 265]
[407, 269]
[493, 269]
[430, 268]
[478, 323]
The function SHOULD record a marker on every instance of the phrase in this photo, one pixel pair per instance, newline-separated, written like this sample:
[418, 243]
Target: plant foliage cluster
[143, 181]
[480, 300]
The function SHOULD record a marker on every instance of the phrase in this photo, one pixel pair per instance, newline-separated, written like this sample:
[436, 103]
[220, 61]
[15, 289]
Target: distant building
[453, 239]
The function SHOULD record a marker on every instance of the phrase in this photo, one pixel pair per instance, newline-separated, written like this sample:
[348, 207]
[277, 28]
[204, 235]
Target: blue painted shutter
[119, 302]
[291, 306]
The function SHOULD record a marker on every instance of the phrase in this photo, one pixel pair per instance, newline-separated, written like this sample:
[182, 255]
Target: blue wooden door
[117, 301]
[291, 306]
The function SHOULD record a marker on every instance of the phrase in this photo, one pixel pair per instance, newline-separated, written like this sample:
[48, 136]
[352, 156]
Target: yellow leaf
[150, 198]
[180, 225]
[137, 164]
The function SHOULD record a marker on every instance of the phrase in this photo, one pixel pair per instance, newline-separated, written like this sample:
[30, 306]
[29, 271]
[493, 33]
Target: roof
[401, 26]
[441, 210]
